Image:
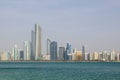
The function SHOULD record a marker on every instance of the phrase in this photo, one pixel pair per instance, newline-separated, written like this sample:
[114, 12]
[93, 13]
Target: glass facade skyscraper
[68, 51]
[33, 45]
[61, 53]
[15, 53]
[36, 43]
[38, 54]
[27, 50]
[53, 50]
[48, 46]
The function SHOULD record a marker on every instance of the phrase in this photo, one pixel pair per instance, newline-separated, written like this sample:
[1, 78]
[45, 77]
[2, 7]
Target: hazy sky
[94, 23]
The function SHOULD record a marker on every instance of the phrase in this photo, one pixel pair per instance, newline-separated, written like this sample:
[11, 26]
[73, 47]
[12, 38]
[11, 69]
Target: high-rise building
[27, 50]
[118, 56]
[61, 53]
[112, 55]
[91, 56]
[53, 50]
[21, 52]
[36, 43]
[83, 49]
[15, 53]
[74, 56]
[86, 57]
[105, 56]
[68, 51]
[48, 46]
[79, 55]
[83, 53]
[33, 45]
[95, 56]
[38, 54]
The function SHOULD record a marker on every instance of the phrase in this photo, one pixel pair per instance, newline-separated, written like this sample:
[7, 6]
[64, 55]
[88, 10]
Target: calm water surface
[59, 71]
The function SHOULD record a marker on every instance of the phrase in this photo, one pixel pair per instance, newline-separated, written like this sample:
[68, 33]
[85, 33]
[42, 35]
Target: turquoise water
[59, 71]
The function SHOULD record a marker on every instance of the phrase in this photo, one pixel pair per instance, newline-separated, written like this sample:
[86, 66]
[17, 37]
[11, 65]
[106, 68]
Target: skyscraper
[21, 52]
[83, 53]
[83, 49]
[33, 45]
[38, 54]
[36, 43]
[15, 53]
[48, 46]
[27, 50]
[61, 53]
[53, 50]
[68, 51]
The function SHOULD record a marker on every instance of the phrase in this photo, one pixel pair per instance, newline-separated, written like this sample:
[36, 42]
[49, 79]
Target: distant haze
[94, 23]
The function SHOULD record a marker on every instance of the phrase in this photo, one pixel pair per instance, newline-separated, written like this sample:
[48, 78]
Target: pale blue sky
[95, 23]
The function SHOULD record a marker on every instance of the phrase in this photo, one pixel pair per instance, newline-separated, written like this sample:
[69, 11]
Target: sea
[59, 71]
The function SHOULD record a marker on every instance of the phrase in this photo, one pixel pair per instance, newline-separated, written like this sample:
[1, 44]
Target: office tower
[21, 52]
[27, 50]
[53, 50]
[38, 54]
[112, 55]
[61, 53]
[74, 57]
[36, 43]
[15, 53]
[48, 46]
[86, 57]
[118, 56]
[105, 56]
[83, 49]
[95, 56]
[83, 53]
[33, 45]
[91, 56]
[100, 56]
[68, 51]
[79, 55]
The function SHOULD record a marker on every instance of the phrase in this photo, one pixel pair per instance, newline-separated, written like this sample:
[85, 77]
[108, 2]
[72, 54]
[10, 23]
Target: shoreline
[62, 61]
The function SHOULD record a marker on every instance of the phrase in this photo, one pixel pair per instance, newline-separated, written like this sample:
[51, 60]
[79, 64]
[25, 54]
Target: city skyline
[32, 51]
[91, 23]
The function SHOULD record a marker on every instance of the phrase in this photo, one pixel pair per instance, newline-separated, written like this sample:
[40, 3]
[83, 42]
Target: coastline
[62, 61]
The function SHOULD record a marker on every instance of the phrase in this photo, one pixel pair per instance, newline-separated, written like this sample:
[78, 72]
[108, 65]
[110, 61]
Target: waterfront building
[5, 56]
[105, 56]
[91, 56]
[33, 45]
[48, 46]
[118, 56]
[61, 53]
[46, 57]
[67, 52]
[112, 55]
[21, 53]
[70, 57]
[100, 56]
[83, 53]
[36, 43]
[86, 56]
[79, 55]
[38, 52]
[74, 57]
[27, 50]
[53, 50]
[15, 53]
[95, 56]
